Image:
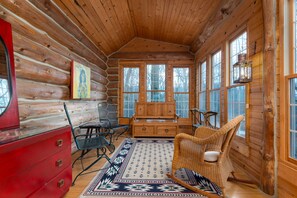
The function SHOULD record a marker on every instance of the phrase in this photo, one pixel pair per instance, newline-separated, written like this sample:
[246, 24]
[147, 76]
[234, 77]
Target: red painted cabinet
[37, 166]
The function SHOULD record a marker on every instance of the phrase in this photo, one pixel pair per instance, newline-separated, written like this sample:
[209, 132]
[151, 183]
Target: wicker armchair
[207, 153]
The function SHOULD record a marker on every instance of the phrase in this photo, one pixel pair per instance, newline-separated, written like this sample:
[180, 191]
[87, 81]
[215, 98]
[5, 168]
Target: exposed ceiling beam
[225, 9]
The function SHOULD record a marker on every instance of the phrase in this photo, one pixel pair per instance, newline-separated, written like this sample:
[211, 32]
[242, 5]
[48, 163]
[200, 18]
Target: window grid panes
[181, 91]
[202, 101]
[295, 31]
[215, 87]
[237, 46]
[155, 81]
[293, 95]
[215, 106]
[293, 118]
[131, 90]
[203, 76]
[216, 70]
[236, 106]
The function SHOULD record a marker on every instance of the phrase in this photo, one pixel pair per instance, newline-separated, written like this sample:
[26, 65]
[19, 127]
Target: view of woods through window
[155, 82]
[237, 93]
[152, 87]
[131, 90]
[181, 91]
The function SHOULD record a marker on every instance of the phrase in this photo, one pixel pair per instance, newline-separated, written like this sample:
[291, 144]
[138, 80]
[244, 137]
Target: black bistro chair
[87, 142]
[111, 125]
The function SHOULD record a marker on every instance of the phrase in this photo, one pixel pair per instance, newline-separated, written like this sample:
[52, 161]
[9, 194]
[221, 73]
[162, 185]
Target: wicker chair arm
[190, 146]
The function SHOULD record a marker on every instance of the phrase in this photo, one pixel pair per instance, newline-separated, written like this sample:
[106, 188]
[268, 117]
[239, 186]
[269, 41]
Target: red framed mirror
[9, 114]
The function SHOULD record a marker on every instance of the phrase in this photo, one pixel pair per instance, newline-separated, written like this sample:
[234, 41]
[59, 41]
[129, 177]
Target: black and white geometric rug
[139, 170]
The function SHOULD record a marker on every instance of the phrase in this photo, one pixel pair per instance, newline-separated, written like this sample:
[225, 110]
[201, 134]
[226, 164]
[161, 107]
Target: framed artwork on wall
[80, 81]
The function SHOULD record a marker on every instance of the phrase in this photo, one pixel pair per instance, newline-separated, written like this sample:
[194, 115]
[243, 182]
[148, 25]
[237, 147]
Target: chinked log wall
[248, 15]
[45, 41]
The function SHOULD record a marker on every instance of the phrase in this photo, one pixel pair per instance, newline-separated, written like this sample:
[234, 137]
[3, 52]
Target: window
[292, 89]
[293, 118]
[202, 91]
[155, 83]
[237, 93]
[237, 46]
[181, 91]
[131, 89]
[215, 87]
[236, 106]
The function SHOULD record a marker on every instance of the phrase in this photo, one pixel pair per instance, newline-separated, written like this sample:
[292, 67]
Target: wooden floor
[234, 190]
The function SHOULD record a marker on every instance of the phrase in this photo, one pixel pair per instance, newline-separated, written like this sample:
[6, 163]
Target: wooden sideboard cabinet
[155, 119]
[37, 166]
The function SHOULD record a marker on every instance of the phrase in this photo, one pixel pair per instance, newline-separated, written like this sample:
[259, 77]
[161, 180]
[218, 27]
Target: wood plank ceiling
[110, 24]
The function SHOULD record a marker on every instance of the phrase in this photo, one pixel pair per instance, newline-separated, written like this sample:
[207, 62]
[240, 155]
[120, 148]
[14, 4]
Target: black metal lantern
[242, 70]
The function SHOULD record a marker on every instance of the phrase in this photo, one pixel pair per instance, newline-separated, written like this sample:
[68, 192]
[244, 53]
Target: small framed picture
[80, 81]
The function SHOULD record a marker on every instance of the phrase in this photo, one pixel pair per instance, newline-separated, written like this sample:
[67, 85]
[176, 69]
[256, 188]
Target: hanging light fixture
[242, 70]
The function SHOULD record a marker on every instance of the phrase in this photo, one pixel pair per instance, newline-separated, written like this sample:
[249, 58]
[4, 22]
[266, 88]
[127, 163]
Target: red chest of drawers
[37, 166]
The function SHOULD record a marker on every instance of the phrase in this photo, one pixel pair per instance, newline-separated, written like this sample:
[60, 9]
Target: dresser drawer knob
[59, 163]
[61, 183]
[166, 130]
[143, 128]
[59, 142]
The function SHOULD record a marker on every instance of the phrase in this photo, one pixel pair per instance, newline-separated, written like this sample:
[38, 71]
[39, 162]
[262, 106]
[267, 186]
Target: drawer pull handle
[143, 128]
[61, 183]
[166, 130]
[59, 142]
[59, 163]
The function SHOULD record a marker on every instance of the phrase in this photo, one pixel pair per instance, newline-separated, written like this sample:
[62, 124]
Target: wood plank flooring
[233, 190]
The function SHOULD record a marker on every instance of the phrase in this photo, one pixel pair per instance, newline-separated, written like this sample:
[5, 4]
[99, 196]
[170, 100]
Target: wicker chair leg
[188, 186]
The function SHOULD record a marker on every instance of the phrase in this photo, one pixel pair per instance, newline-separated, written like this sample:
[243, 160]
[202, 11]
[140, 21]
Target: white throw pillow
[211, 156]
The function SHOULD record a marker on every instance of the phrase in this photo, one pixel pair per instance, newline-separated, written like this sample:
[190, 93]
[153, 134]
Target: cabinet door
[168, 131]
[143, 130]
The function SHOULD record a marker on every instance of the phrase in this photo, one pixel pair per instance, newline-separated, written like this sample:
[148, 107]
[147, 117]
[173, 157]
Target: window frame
[165, 84]
[200, 84]
[288, 71]
[212, 89]
[189, 88]
[122, 85]
[230, 85]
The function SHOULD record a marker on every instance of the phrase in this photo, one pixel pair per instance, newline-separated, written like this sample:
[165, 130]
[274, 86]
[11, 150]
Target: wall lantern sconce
[242, 70]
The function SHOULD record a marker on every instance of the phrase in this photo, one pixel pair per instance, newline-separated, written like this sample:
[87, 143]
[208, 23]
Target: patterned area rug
[139, 168]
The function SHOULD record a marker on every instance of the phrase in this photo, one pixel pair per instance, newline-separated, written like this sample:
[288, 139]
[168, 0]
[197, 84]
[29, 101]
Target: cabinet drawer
[166, 131]
[21, 155]
[57, 187]
[36, 176]
[143, 130]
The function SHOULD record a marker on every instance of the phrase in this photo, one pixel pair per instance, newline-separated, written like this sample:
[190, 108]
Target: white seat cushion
[211, 156]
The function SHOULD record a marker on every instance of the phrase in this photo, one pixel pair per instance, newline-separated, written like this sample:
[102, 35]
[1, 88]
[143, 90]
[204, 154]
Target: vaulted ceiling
[110, 24]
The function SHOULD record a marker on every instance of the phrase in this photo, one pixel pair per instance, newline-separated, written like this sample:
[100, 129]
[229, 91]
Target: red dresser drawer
[57, 187]
[35, 177]
[18, 156]
[28, 165]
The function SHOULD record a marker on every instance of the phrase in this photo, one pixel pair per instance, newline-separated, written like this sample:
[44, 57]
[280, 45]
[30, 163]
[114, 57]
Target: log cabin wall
[248, 15]
[45, 41]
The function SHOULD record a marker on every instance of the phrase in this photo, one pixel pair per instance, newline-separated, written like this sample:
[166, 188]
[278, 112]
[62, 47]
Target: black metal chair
[202, 118]
[111, 125]
[87, 142]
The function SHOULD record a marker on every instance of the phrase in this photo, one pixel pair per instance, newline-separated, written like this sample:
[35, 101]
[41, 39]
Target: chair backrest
[105, 110]
[102, 111]
[229, 130]
[68, 118]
